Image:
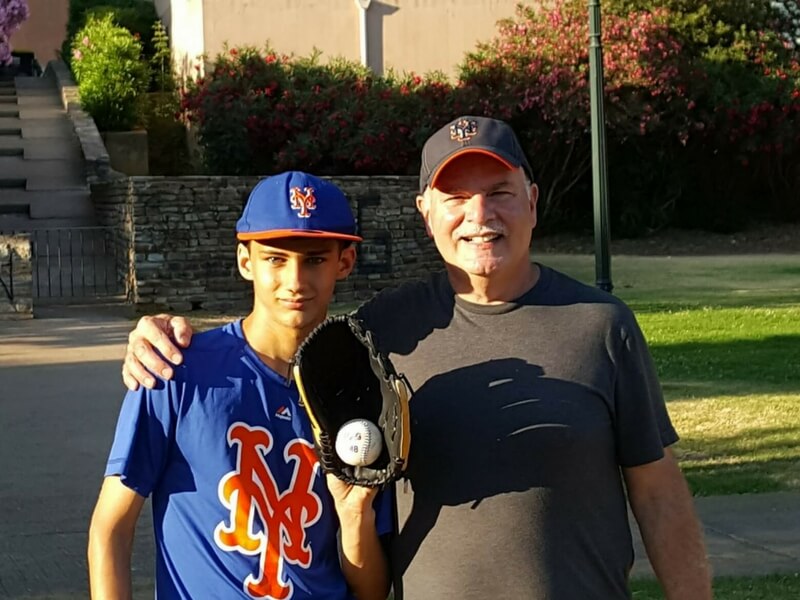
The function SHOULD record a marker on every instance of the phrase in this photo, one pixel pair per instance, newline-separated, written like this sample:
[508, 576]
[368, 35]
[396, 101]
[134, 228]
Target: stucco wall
[44, 30]
[184, 20]
[407, 35]
[175, 237]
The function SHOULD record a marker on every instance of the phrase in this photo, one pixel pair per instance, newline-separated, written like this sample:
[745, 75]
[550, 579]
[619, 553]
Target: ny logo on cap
[303, 201]
[463, 129]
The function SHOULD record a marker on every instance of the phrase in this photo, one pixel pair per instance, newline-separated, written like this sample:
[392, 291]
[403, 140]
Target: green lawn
[725, 336]
[776, 587]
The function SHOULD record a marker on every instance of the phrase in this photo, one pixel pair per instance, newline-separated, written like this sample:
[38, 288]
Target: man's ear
[243, 261]
[534, 202]
[347, 261]
[424, 207]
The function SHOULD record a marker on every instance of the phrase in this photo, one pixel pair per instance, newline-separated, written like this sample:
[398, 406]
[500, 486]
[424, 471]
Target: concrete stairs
[42, 168]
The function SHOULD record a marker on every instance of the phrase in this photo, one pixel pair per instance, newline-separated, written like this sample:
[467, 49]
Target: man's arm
[364, 562]
[165, 333]
[663, 507]
[111, 540]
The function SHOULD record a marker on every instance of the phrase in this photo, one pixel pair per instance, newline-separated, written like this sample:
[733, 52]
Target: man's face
[294, 278]
[480, 215]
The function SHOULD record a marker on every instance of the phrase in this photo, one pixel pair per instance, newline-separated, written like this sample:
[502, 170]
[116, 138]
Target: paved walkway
[60, 391]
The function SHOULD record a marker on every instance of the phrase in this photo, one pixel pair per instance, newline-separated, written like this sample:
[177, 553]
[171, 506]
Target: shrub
[712, 88]
[261, 112]
[702, 110]
[534, 73]
[137, 16]
[110, 73]
[743, 158]
[166, 135]
[161, 60]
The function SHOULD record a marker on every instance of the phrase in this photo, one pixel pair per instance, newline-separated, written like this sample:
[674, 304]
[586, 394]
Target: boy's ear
[243, 261]
[347, 261]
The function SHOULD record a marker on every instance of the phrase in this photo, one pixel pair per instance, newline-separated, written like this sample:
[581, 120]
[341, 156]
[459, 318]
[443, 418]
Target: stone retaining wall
[175, 237]
[16, 280]
[98, 164]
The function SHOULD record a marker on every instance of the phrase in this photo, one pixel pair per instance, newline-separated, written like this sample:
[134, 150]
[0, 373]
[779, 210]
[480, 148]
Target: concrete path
[60, 391]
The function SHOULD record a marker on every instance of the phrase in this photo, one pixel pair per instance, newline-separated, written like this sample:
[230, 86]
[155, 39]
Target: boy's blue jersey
[240, 504]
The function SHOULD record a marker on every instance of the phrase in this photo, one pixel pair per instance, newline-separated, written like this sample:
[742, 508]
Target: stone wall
[16, 280]
[98, 164]
[176, 239]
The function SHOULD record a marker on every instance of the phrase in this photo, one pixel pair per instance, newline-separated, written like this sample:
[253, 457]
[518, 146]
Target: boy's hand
[350, 500]
[161, 333]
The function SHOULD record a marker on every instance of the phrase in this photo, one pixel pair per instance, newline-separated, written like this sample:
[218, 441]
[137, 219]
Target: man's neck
[493, 290]
[275, 345]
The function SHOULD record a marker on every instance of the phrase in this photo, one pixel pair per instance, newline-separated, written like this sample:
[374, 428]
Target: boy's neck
[274, 344]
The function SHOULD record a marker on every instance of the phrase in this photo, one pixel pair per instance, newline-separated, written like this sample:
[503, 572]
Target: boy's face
[294, 278]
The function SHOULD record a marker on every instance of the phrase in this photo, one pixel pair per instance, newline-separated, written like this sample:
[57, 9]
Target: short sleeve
[384, 508]
[643, 426]
[142, 439]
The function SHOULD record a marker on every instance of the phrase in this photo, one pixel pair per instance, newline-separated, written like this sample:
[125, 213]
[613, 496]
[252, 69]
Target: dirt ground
[758, 239]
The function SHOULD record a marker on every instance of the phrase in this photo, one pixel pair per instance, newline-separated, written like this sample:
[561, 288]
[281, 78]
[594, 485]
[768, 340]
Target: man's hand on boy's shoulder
[164, 334]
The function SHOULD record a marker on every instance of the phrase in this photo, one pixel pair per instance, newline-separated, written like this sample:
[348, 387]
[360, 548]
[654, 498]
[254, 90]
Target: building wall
[406, 35]
[176, 241]
[184, 22]
[44, 30]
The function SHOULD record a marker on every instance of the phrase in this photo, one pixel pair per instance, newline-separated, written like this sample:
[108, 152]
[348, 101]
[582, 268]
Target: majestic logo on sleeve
[303, 201]
[251, 494]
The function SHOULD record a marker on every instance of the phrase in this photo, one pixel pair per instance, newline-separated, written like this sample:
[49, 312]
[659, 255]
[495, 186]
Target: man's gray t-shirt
[522, 416]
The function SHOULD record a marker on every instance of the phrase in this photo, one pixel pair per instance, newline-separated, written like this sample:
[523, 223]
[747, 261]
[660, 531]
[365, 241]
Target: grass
[652, 283]
[724, 332]
[775, 587]
[725, 336]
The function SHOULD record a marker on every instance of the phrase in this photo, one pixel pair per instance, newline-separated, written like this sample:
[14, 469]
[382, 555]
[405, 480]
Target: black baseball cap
[481, 135]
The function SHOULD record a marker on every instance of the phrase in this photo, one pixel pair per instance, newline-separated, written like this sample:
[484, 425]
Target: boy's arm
[364, 562]
[111, 540]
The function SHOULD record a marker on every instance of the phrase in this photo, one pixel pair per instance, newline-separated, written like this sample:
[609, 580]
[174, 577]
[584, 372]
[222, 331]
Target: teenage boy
[240, 506]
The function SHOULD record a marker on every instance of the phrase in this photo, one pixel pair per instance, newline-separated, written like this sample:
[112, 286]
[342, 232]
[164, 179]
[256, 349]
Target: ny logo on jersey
[252, 495]
[303, 201]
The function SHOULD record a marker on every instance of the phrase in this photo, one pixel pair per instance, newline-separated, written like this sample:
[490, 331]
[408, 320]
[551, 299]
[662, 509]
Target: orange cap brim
[469, 150]
[296, 233]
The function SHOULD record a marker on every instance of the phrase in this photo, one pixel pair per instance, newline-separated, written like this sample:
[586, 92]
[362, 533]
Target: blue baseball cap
[296, 204]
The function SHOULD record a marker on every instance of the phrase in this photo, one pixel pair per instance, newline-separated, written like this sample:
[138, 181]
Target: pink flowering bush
[742, 160]
[535, 73]
[111, 75]
[262, 112]
[12, 14]
[702, 110]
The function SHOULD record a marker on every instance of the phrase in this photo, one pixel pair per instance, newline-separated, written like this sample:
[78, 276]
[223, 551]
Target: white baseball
[359, 443]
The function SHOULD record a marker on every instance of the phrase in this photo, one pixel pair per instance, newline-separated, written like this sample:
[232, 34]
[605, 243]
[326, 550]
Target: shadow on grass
[758, 364]
[770, 587]
[707, 301]
[766, 460]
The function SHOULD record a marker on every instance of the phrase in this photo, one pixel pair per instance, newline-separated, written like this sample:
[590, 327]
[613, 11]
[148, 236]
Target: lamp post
[602, 256]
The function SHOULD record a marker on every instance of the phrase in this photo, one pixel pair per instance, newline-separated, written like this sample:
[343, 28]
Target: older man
[536, 407]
